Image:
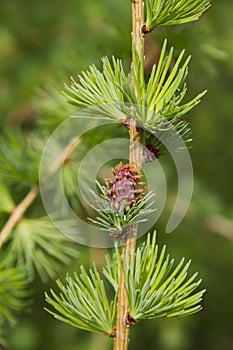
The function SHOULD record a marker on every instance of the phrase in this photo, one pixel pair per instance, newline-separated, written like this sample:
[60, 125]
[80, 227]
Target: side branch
[18, 212]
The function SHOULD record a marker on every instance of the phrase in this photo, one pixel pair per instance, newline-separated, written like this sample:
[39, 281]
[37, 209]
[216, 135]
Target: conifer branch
[135, 159]
[18, 212]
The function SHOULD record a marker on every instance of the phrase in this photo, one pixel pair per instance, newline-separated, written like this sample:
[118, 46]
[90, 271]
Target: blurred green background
[42, 43]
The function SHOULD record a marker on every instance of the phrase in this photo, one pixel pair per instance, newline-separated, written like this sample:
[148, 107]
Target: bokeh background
[43, 43]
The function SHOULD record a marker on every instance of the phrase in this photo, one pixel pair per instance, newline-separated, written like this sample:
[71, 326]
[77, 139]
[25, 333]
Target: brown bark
[135, 158]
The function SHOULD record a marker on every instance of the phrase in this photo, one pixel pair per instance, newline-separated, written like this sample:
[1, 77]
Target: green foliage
[19, 157]
[38, 246]
[102, 92]
[52, 107]
[208, 48]
[112, 269]
[14, 292]
[154, 287]
[156, 104]
[168, 12]
[160, 98]
[115, 222]
[51, 41]
[6, 203]
[171, 133]
[83, 302]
